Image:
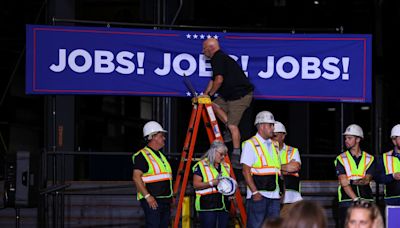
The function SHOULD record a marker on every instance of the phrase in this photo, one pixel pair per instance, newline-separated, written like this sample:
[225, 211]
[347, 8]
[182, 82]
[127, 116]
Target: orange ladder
[201, 106]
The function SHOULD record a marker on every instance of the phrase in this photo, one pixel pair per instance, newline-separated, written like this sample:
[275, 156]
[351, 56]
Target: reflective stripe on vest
[159, 169]
[157, 177]
[392, 164]
[354, 172]
[265, 164]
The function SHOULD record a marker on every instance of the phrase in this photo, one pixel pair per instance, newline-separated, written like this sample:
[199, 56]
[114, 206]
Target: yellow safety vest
[287, 155]
[159, 170]
[392, 165]
[354, 172]
[292, 180]
[209, 199]
[266, 169]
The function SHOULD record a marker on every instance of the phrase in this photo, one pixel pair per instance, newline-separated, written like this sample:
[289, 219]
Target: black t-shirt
[162, 187]
[235, 84]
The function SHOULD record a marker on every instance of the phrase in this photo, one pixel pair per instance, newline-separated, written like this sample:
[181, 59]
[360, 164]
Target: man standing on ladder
[153, 177]
[290, 167]
[234, 89]
[261, 170]
[355, 169]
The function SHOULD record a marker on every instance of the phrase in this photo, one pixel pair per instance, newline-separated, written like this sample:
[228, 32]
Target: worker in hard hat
[290, 167]
[355, 169]
[261, 171]
[152, 175]
[389, 169]
[211, 205]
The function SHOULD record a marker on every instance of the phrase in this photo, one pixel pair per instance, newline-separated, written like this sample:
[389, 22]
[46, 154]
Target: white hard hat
[279, 127]
[395, 131]
[152, 127]
[227, 186]
[264, 117]
[355, 130]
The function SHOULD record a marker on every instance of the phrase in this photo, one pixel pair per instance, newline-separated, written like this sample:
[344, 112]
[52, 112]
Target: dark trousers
[156, 218]
[342, 213]
[211, 219]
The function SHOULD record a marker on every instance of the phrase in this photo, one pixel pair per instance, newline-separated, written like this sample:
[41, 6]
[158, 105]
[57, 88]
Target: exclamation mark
[345, 64]
[245, 61]
[140, 61]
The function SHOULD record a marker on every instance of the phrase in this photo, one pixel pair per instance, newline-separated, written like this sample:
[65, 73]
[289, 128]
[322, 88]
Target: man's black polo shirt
[235, 84]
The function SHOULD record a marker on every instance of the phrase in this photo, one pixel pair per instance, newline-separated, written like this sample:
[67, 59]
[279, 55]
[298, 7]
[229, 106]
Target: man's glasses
[362, 203]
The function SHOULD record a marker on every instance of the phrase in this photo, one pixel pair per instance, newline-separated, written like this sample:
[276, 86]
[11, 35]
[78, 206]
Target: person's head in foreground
[363, 214]
[305, 214]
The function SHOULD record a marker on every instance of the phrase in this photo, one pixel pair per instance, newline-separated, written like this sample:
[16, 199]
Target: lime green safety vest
[159, 170]
[266, 169]
[292, 180]
[209, 199]
[392, 165]
[354, 172]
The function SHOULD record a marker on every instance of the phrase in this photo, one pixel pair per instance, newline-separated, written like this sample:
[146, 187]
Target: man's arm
[214, 85]
[249, 180]
[345, 183]
[137, 178]
[291, 167]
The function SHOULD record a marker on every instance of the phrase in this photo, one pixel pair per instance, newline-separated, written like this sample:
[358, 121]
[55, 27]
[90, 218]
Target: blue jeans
[258, 211]
[159, 217]
[210, 219]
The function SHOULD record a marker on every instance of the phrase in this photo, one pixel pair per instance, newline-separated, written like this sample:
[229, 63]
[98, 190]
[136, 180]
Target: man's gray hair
[217, 145]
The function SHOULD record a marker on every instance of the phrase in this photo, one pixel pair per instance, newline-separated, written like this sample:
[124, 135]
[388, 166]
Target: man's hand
[363, 181]
[257, 197]
[291, 167]
[152, 202]
[396, 176]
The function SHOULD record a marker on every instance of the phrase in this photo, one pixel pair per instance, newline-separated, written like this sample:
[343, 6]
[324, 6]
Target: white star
[202, 36]
[197, 94]
[215, 37]
[209, 36]
[201, 93]
[188, 36]
[188, 94]
[195, 36]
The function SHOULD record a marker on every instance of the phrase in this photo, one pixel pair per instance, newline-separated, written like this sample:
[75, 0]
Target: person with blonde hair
[363, 214]
[305, 214]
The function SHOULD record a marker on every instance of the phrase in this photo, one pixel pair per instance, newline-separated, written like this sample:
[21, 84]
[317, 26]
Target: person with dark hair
[211, 205]
[363, 214]
[152, 176]
[305, 214]
[389, 169]
[355, 169]
[235, 93]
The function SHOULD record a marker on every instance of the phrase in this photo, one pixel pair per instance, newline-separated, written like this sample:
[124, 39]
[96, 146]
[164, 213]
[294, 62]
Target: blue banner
[144, 62]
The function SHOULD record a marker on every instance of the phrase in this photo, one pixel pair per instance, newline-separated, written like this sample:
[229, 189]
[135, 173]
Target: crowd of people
[270, 167]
